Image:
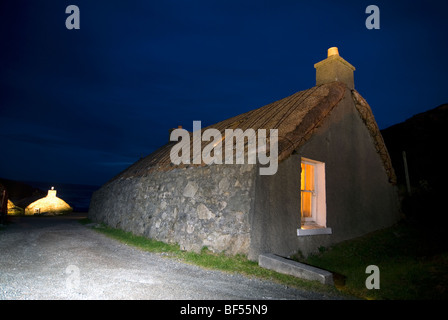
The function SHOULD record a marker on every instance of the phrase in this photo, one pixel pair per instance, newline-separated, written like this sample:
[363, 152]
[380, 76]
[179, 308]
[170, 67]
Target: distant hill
[424, 138]
[21, 192]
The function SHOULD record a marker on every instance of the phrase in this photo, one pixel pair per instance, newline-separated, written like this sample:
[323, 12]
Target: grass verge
[207, 259]
[413, 263]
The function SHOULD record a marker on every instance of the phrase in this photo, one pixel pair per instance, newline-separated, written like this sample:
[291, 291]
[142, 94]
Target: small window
[308, 193]
[313, 211]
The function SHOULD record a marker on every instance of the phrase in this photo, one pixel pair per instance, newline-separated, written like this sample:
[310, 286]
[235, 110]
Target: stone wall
[194, 207]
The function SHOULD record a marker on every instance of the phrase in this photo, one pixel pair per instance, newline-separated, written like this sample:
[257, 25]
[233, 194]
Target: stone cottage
[334, 180]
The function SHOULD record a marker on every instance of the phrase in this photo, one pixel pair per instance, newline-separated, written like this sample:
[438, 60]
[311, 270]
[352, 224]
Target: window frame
[318, 202]
[312, 192]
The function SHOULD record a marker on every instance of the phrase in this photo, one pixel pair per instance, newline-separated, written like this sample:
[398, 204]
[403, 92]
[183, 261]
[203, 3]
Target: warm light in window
[307, 189]
[313, 208]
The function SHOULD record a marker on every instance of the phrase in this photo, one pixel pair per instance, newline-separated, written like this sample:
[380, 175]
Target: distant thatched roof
[50, 205]
[296, 117]
[13, 209]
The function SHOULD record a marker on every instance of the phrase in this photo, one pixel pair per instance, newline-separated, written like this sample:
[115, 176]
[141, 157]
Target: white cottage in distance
[334, 180]
[49, 205]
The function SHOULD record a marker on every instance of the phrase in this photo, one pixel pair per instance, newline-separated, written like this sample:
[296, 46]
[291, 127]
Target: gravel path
[58, 258]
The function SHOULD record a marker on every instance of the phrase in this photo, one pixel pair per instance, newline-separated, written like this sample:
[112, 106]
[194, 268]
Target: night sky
[80, 106]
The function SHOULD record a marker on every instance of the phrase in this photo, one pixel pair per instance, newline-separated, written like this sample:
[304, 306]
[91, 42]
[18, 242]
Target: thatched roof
[50, 205]
[296, 117]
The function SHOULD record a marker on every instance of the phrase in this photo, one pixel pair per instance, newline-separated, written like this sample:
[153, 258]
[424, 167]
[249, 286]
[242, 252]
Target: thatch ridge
[367, 116]
[296, 117]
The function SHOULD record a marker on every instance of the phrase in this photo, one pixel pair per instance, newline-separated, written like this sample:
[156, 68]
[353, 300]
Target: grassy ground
[413, 263]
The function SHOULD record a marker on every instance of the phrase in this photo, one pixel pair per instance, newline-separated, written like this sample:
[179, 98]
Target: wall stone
[194, 207]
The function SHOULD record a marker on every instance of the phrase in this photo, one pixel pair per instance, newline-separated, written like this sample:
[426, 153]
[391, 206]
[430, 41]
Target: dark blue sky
[79, 106]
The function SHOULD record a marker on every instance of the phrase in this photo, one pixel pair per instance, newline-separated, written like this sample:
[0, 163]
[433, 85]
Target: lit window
[308, 194]
[313, 211]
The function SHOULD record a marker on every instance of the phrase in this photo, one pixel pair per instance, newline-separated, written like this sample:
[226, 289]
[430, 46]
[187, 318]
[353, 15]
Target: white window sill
[312, 232]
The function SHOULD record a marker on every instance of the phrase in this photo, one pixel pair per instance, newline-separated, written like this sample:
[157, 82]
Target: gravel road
[55, 258]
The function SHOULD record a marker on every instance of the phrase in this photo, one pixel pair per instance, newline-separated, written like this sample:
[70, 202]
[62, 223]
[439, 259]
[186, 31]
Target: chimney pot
[333, 51]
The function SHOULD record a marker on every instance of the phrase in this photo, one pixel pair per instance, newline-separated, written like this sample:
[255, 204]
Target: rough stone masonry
[207, 206]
